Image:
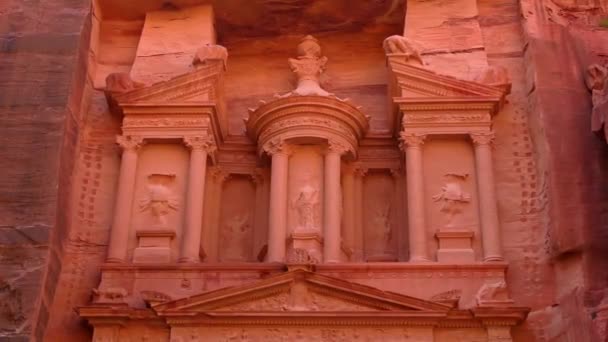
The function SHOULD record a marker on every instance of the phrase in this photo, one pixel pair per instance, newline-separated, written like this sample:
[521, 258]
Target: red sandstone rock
[412, 215]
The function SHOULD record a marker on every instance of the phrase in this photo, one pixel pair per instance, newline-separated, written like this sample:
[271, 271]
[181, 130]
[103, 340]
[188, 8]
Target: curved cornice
[320, 117]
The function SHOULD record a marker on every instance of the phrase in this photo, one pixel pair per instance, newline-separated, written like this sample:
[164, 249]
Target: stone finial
[121, 82]
[210, 52]
[308, 67]
[597, 81]
[400, 46]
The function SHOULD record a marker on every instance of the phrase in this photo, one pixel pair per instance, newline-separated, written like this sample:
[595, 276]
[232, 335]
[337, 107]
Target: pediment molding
[298, 285]
[430, 103]
[200, 85]
[184, 105]
[271, 302]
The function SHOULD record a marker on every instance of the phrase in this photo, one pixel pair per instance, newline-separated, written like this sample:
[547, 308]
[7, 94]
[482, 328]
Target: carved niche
[236, 219]
[379, 216]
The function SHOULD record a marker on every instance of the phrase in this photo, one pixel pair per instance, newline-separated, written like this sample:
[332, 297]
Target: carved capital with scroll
[334, 146]
[411, 140]
[276, 146]
[219, 175]
[200, 143]
[482, 138]
[130, 142]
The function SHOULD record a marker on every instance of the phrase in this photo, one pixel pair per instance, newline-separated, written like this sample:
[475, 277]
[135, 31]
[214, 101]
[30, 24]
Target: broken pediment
[299, 291]
[198, 86]
[430, 103]
[419, 82]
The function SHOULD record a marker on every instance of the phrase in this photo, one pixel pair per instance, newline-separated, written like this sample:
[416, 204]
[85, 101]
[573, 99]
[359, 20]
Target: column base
[493, 258]
[308, 240]
[455, 246]
[420, 259]
[115, 261]
[154, 246]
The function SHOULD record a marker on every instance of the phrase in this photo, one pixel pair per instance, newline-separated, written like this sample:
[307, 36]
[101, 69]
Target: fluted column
[332, 203]
[411, 144]
[488, 211]
[200, 147]
[119, 236]
[277, 213]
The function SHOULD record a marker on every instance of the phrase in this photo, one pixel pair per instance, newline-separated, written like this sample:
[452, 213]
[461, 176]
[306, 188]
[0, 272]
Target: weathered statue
[159, 199]
[381, 231]
[308, 67]
[400, 45]
[597, 82]
[452, 197]
[235, 238]
[305, 204]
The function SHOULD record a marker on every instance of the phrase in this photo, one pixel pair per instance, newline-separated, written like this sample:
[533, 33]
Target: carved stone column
[260, 222]
[487, 196]
[358, 252]
[119, 236]
[199, 146]
[213, 213]
[277, 213]
[348, 203]
[332, 203]
[107, 331]
[411, 144]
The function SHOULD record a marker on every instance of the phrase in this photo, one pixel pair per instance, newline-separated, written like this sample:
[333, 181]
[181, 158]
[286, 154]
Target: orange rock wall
[550, 168]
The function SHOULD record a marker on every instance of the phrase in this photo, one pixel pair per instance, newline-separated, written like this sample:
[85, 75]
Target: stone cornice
[305, 117]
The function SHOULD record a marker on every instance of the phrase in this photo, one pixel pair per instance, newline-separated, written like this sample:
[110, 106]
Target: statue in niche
[159, 200]
[597, 81]
[305, 204]
[453, 198]
[381, 230]
[308, 67]
[235, 238]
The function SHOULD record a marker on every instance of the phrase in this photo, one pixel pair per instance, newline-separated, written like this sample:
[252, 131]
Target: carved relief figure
[236, 237]
[597, 82]
[308, 67]
[305, 204]
[452, 197]
[381, 231]
[300, 299]
[159, 200]
[400, 45]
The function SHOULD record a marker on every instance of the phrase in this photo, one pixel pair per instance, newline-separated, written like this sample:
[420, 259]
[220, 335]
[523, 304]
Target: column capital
[415, 140]
[277, 146]
[257, 176]
[200, 143]
[335, 146]
[219, 175]
[130, 142]
[361, 171]
[396, 172]
[486, 138]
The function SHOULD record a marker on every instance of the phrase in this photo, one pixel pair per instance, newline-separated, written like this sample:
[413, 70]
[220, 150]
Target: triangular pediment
[299, 291]
[419, 82]
[199, 86]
